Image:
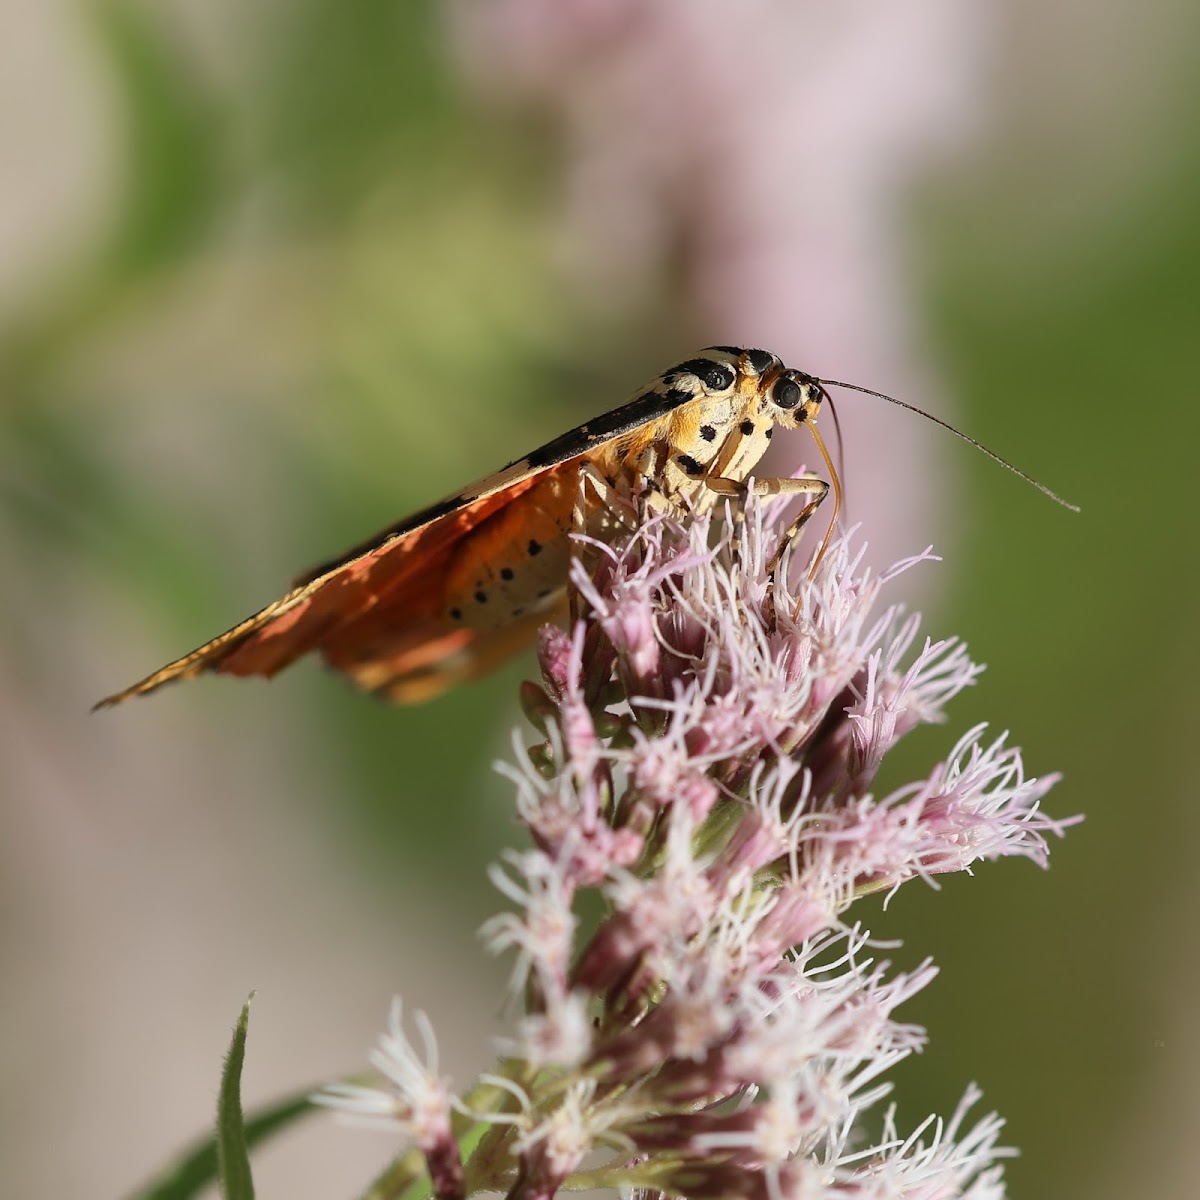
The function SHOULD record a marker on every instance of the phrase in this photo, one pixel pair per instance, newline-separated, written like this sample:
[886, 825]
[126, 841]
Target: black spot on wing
[716, 376]
[761, 360]
[646, 407]
[535, 547]
[690, 465]
[746, 428]
[708, 433]
[699, 367]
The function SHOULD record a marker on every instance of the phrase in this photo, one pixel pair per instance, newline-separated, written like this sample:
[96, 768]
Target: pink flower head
[709, 744]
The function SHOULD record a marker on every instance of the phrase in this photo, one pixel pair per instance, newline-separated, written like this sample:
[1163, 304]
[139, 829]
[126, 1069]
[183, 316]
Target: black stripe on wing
[647, 407]
[589, 436]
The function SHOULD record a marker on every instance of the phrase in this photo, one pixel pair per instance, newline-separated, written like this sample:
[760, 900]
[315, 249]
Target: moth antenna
[811, 426]
[841, 448]
[1041, 487]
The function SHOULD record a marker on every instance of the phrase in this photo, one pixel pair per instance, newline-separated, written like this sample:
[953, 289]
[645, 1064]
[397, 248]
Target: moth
[449, 593]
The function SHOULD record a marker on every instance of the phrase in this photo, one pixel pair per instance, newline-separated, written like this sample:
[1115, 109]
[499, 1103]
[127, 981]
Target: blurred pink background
[272, 275]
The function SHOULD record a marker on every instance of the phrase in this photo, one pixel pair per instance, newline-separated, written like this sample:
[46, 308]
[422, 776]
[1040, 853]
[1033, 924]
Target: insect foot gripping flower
[709, 741]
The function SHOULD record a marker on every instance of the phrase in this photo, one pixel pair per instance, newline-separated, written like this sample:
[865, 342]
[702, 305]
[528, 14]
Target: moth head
[792, 397]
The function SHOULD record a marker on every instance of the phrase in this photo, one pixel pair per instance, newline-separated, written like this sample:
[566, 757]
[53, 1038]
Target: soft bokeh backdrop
[274, 273]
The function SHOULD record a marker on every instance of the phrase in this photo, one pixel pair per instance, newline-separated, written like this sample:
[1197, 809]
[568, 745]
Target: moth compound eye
[786, 393]
[718, 378]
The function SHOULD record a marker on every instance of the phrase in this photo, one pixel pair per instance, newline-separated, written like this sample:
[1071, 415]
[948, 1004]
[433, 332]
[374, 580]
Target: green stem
[397, 1177]
[488, 1163]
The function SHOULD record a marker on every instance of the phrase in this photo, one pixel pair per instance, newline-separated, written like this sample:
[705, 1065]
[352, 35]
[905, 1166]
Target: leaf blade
[196, 1168]
[233, 1157]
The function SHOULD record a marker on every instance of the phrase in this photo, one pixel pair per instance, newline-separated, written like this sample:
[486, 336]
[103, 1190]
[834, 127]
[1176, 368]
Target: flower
[417, 1102]
[710, 741]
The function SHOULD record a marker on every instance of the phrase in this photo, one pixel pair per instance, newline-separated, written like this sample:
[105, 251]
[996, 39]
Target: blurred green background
[274, 274]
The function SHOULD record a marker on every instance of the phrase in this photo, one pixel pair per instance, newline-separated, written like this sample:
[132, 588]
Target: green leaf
[197, 1168]
[223, 1155]
[233, 1159]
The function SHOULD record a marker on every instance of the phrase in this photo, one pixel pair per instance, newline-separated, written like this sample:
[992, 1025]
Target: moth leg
[589, 512]
[818, 494]
[807, 485]
[611, 503]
